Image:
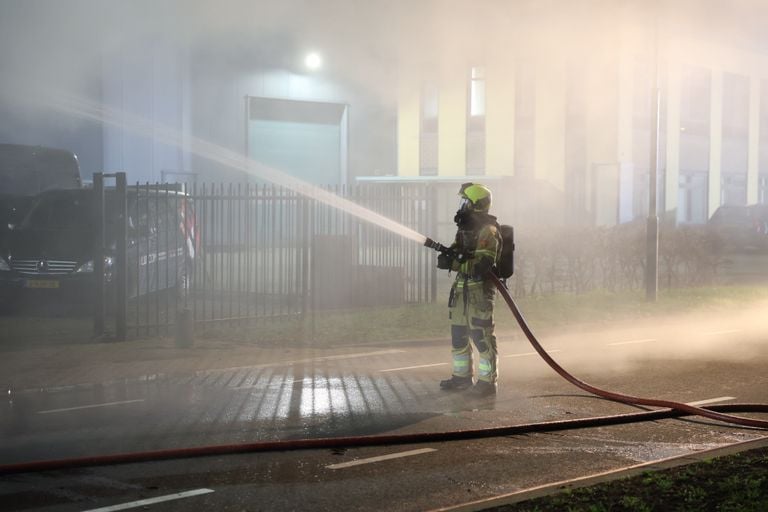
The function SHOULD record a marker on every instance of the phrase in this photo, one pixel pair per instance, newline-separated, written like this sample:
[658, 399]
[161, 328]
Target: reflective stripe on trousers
[462, 362]
[473, 320]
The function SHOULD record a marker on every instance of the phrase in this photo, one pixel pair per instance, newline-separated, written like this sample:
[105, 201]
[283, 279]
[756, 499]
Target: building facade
[556, 111]
[550, 99]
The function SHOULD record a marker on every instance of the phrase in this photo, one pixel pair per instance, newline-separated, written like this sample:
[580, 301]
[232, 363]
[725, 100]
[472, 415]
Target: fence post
[121, 257]
[99, 310]
[305, 237]
[432, 207]
[313, 270]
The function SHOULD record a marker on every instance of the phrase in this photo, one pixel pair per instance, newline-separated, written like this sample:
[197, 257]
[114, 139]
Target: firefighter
[473, 254]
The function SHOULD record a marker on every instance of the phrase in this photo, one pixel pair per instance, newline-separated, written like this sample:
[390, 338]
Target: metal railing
[241, 253]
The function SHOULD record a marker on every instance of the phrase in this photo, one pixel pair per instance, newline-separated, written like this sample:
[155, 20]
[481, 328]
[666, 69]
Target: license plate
[42, 283]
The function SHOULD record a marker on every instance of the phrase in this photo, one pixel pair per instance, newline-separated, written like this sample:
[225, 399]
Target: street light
[313, 61]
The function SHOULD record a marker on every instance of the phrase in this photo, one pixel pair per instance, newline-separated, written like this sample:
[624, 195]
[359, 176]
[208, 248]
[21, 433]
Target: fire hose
[670, 409]
[619, 397]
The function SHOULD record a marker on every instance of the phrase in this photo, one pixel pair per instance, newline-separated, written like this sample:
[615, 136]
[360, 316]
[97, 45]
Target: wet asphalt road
[369, 390]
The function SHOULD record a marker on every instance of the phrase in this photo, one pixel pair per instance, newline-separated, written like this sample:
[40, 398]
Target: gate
[241, 253]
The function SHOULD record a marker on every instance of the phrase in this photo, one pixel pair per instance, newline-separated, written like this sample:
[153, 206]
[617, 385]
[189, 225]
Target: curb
[607, 476]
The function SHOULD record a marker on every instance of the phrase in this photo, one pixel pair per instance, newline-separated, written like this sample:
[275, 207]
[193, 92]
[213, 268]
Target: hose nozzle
[435, 245]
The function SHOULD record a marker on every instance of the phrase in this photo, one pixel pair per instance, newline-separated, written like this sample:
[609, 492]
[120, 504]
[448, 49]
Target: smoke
[660, 343]
[66, 40]
[87, 47]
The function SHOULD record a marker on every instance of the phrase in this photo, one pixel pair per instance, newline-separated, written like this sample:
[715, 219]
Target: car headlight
[4, 264]
[85, 268]
[88, 266]
[108, 262]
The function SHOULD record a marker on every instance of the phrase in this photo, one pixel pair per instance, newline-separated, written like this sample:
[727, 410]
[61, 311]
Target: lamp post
[652, 226]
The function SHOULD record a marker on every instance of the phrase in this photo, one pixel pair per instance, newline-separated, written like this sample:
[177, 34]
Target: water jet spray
[85, 109]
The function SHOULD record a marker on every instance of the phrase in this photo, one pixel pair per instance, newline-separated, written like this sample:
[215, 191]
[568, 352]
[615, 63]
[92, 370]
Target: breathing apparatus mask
[464, 212]
[475, 199]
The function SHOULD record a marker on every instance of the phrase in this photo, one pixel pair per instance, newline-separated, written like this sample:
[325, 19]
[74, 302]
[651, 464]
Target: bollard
[185, 328]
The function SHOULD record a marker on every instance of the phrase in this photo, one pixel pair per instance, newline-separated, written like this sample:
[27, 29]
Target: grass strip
[730, 483]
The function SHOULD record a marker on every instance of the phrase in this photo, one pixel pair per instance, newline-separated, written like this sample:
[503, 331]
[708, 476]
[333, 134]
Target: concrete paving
[95, 399]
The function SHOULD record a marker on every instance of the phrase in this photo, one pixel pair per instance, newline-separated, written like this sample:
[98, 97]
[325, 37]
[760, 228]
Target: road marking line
[239, 388]
[712, 400]
[301, 361]
[730, 331]
[598, 478]
[380, 458]
[630, 342]
[152, 501]
[90, 406]
[280, 383]
[364, 354]
[413, 367]
[523, 354]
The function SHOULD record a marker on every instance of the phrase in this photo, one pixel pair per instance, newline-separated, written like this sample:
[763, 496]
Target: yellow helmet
[475, 197]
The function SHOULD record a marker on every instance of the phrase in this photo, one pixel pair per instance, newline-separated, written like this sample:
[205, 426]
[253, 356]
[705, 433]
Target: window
[576, 145]
[428, 139]
[733, 189]
[735, 105]
[695, 101]
[762, 158]
[61, 210]
[641, 106]
[692, 198]
[694, 145]
[735, 141]
[477, 93]
[525, 108]
[476, 122]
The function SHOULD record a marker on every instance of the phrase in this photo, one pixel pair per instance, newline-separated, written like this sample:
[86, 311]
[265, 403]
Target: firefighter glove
[444, 261]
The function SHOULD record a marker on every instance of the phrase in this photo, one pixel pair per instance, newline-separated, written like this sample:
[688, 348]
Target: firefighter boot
[483, 388]
[456, 383]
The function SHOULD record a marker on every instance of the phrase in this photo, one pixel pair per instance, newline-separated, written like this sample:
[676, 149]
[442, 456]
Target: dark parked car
[49, 255]
[741, 228]
[28, 170]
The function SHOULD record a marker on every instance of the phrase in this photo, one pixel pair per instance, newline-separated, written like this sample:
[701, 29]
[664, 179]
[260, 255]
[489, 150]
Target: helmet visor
[465, 204]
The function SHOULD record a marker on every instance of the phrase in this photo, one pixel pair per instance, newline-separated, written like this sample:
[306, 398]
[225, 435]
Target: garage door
[301, 138]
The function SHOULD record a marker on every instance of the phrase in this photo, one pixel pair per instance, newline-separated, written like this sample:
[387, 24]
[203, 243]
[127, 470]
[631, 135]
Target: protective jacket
[477, 246]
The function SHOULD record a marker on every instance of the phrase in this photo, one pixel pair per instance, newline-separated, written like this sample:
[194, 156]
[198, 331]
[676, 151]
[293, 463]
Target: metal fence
[238, 253]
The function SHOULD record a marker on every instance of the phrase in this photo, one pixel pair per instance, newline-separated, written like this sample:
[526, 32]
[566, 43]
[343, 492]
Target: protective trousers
[471, 313]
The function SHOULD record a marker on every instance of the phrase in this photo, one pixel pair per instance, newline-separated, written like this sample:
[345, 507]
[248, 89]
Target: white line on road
[152, 501]
[380, 458]
[631, 342]
[351, 356]
[713, 333]
[413, 367]
[107, 404]
[523, 354]
[277, 383]
[301, 361]
[712, 400]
